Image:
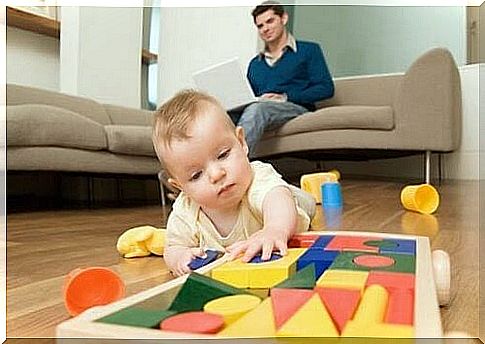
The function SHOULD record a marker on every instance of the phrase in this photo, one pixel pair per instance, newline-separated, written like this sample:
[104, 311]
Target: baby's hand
[178, 259]
[265, 241]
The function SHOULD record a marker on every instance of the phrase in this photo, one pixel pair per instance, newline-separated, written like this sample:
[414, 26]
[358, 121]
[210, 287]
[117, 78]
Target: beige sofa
[380, 116]
[419, 111]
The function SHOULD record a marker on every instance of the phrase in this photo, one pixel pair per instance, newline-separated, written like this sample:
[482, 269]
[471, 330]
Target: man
[291, 73]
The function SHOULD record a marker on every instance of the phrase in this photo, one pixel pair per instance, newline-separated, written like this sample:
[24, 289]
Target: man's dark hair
[277, 8]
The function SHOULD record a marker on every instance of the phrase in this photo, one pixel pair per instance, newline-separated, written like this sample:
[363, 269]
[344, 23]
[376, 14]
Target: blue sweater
[303, 75]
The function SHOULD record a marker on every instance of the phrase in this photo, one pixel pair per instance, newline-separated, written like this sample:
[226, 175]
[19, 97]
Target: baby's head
[201, 149]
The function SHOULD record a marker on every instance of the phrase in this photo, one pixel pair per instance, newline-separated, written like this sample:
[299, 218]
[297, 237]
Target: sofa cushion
[340, 117]
[45, 125]
[24, 95]
[130, 139]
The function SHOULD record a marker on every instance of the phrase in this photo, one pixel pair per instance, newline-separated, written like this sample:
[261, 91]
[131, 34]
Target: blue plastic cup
[331, 194]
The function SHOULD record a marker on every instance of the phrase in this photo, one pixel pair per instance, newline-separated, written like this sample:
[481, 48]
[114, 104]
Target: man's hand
[265, 241]
[275, 96]
[178, 258]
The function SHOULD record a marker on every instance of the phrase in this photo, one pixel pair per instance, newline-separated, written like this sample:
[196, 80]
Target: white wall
[32, 59]
[100, 53]
[194, 38]
[360, 40]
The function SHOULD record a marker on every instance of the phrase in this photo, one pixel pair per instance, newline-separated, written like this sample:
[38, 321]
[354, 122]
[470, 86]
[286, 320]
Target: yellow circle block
[232, 307]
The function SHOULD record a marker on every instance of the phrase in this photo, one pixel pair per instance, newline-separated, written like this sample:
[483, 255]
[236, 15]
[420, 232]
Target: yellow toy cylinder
[422, 198]
[311, 182]
[232, 307]
[373, 305]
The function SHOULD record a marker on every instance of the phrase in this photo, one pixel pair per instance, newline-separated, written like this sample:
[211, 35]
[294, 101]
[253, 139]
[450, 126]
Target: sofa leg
[162, 189]
[427, 166]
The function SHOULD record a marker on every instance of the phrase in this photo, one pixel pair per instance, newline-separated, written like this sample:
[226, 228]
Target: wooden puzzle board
[427, 322]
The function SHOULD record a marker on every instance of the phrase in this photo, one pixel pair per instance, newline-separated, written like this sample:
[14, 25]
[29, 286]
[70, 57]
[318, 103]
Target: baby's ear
[175, 183]
[241, 138]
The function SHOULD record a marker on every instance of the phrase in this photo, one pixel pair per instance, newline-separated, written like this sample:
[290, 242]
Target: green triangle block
[302, 279]
[198, 290]
[137, 317]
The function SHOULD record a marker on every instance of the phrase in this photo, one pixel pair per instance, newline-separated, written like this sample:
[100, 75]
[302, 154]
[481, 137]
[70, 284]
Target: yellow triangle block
[311, 320]
[256, 323]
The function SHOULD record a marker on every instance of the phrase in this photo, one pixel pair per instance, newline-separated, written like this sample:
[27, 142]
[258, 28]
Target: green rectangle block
[137, 317]
[198, 290]
[402, 262]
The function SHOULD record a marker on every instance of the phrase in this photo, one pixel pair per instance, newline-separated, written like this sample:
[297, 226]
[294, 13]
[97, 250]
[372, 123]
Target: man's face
[271, 26]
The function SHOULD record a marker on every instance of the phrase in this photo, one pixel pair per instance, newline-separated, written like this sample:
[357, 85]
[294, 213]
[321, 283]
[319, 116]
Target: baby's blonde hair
[173, 118]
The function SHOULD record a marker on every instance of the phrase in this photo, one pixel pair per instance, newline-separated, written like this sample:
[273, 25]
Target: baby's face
[211, 167]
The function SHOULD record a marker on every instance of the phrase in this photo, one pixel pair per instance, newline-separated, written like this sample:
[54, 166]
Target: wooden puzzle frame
[427, 321]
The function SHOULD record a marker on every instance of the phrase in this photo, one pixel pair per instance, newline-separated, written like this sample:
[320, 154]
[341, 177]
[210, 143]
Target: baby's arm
[280, 220]
[182, 245]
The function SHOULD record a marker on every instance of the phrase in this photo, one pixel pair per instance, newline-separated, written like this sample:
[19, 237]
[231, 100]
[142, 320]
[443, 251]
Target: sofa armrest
[427, 108]
[121, 115]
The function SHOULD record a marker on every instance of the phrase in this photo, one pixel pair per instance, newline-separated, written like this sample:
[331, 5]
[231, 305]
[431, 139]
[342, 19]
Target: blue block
[321, 242]
[322, 260]
[403, 247]
[199, 262]
[257, 259]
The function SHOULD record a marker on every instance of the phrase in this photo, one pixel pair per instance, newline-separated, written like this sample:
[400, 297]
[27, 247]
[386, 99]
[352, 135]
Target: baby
[226, 203]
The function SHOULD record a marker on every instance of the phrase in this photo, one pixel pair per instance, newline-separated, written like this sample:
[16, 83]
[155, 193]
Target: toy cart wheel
[442, 276]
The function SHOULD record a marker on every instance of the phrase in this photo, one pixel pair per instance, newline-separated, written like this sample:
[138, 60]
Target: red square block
[351, 243]
[299, 240]
[392, 281]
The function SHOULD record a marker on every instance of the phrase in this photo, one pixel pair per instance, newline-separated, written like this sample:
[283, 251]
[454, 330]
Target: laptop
[227, 82]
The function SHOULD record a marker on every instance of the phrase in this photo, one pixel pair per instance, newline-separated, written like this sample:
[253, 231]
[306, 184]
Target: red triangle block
[340, 303]
[286, 302]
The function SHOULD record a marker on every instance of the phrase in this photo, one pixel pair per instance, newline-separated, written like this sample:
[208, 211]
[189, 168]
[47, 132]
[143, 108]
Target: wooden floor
[42, 247]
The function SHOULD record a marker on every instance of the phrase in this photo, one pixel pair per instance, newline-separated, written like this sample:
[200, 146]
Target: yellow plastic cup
[311, 183]
[421, 198]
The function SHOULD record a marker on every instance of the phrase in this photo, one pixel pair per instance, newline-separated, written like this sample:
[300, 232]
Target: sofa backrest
[372, 90]
[23, 95]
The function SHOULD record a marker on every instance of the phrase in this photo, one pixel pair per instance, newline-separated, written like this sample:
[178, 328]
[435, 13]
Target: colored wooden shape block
[286, 302]
[262, 293]
[232, 307]
[373, 305]
[303, 279]
[193, 322]
[351, 243]
[261, 275]
[256, 323]
[320, 258]
[322, 242]
[382, 244]
[198, 290]
[137, 317]
[311, 320]
[234, 273]
[199, 262]
[403, 247]
[403, 262]
[300, 240]
[400, 309]
[340, 304]
[257, 259]
[343, 279]
[392, 280]
[373, 261]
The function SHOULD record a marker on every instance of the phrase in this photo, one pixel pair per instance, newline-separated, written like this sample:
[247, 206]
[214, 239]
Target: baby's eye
[195, 176]
[224, 154]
